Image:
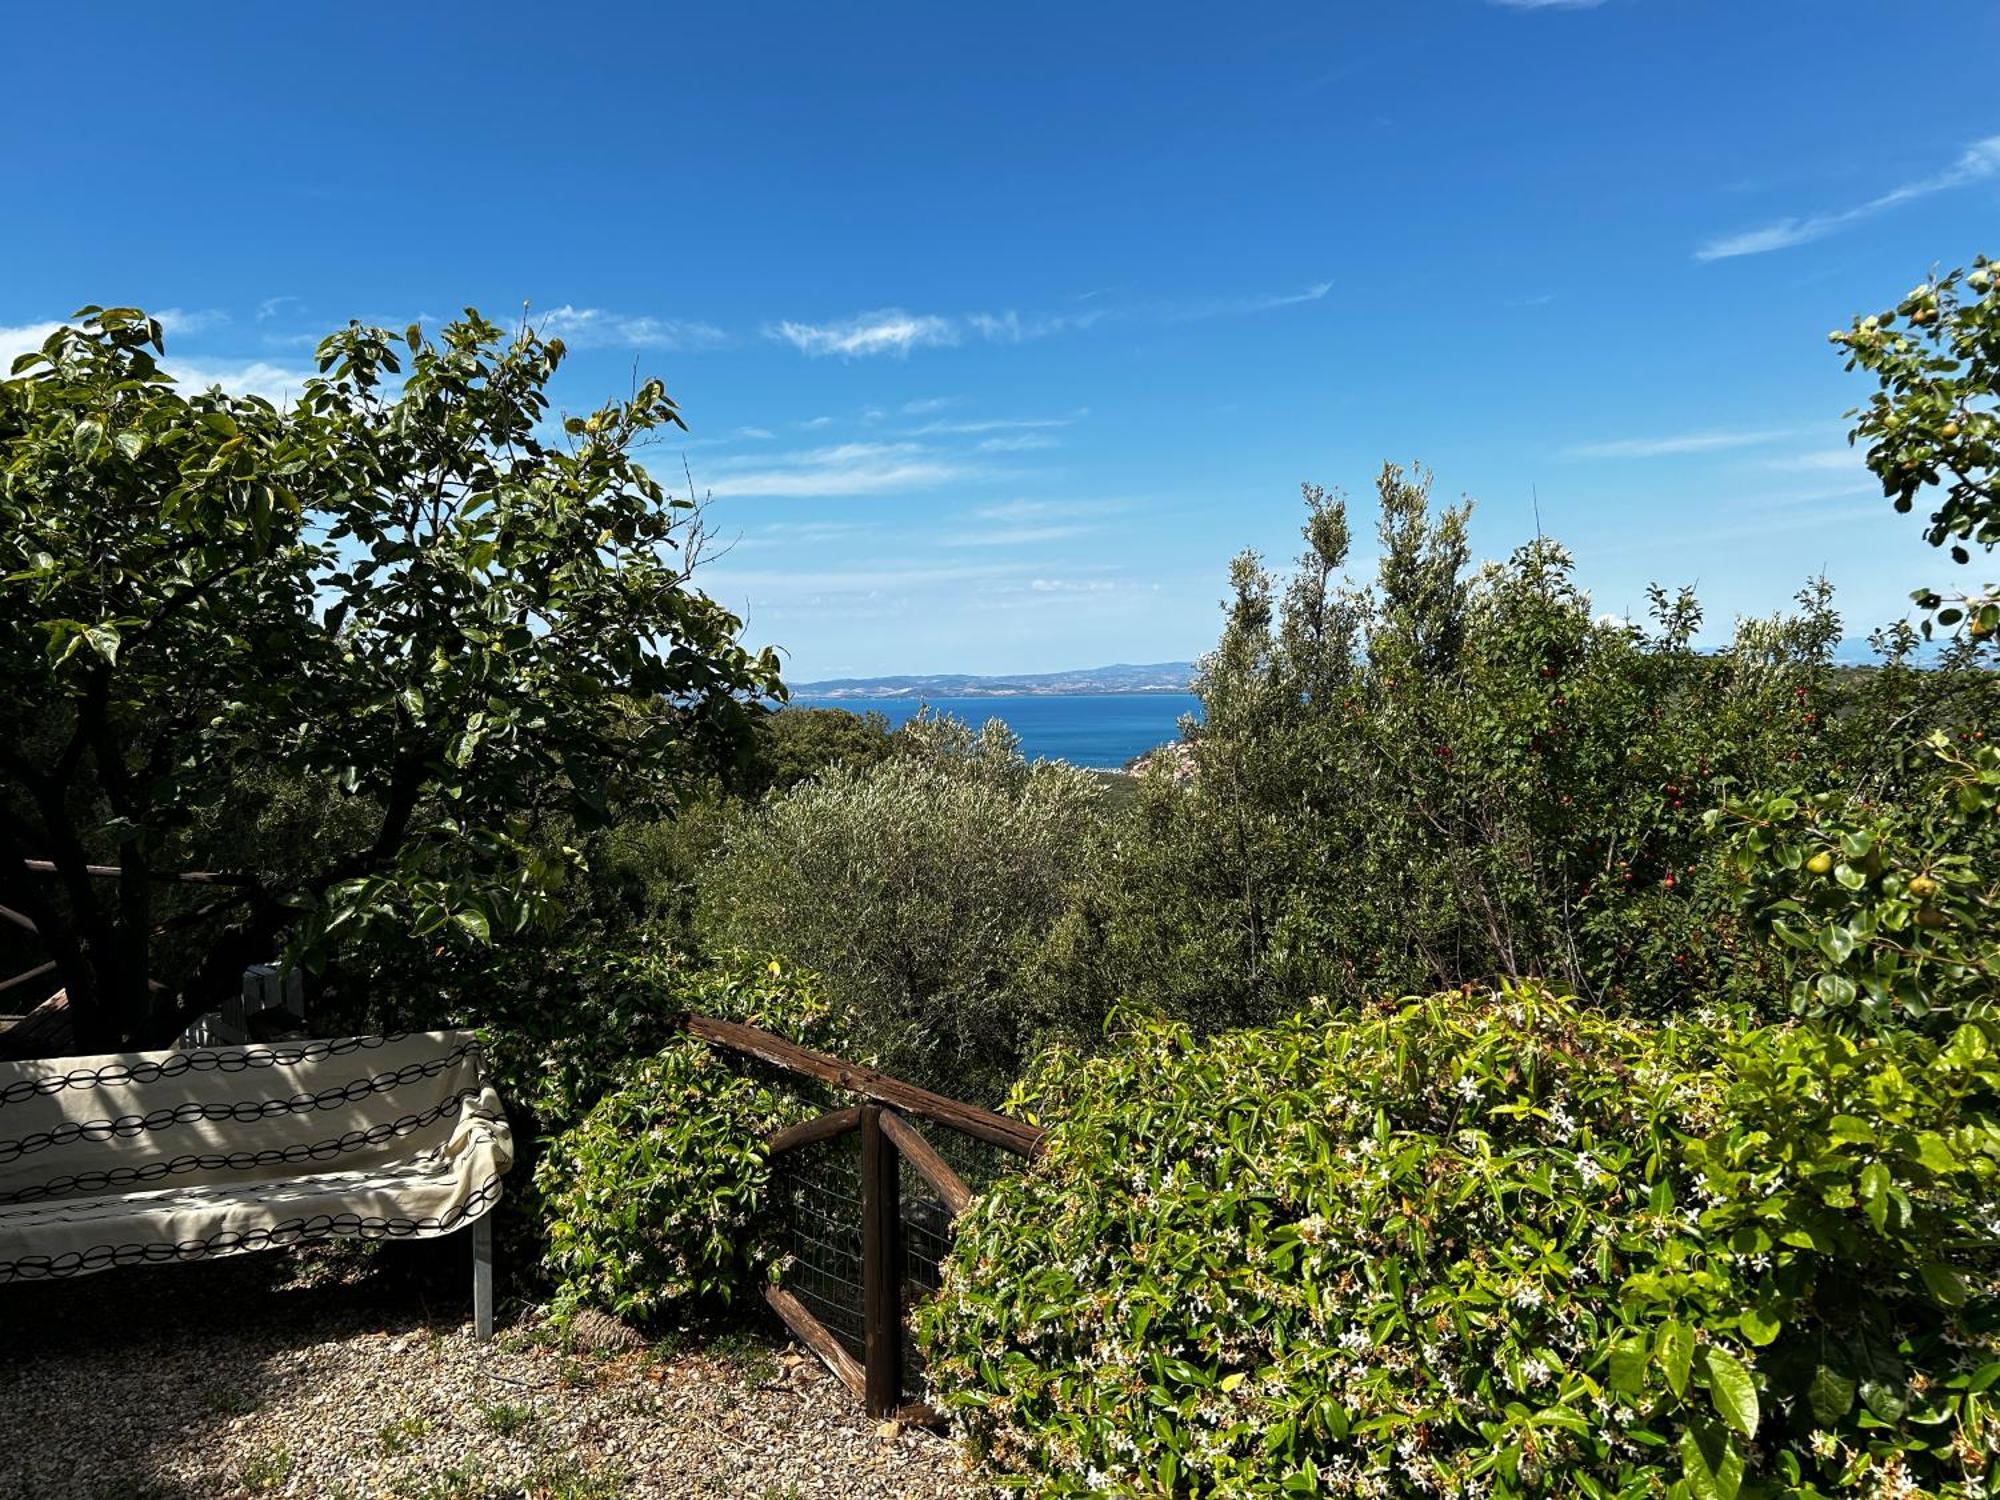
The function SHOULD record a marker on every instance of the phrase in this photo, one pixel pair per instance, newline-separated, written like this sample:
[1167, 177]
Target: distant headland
[1121, 677]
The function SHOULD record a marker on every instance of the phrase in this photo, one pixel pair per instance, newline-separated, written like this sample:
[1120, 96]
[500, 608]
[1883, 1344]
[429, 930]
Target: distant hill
[1121, 677]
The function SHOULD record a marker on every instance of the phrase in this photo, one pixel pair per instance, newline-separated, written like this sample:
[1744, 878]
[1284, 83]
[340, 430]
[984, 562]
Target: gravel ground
[356, 1375]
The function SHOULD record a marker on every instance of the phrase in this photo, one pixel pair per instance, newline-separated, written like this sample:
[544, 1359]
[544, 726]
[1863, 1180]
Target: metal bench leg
[482, 1278]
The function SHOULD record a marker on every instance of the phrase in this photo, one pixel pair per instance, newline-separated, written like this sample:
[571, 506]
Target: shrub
[920, 889]
[651, 1196]
[797, 744]
[1447, 774]
[1488, 1246]
[1880, 910]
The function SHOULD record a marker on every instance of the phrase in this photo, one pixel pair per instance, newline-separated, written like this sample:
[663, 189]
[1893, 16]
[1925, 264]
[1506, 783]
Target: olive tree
[469, 622]
[921, 889]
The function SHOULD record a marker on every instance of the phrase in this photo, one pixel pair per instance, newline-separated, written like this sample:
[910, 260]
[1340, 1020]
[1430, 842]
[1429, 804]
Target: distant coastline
[1097, 731]
[1118, 678]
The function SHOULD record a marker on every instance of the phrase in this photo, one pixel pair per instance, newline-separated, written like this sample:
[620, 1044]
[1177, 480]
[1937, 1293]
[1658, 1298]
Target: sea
[1099, 731]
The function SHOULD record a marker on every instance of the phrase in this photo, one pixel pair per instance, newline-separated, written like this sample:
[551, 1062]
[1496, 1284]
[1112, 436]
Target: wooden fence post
[881, 1265]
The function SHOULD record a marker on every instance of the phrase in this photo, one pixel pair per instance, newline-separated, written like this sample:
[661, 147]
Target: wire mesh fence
[816, 1195]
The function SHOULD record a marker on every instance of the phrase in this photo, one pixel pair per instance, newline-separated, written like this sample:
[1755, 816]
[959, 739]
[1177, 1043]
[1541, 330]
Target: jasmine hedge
[1490, 1245]
[652, 1197]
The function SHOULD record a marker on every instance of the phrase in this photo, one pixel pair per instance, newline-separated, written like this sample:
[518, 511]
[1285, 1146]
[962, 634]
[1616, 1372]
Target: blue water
[1098, 730]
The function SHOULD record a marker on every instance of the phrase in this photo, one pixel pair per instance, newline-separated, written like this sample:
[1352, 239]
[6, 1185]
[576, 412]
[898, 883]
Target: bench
[149, 1158]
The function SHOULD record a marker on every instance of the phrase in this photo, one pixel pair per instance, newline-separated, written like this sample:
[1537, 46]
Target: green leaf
[1875, 1193]
[1732, 1389]
[1885, 1400]
[475, 922]
[1759, 1326]
[1934, 1154]
[87, 441]
[1676, 1351]
[1830, 1394]
[1945, 1283]
[104, 640]
[1711, 1462]
[1628, 1364]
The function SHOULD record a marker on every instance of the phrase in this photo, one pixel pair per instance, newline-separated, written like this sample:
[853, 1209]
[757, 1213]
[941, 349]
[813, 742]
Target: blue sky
[999, 330]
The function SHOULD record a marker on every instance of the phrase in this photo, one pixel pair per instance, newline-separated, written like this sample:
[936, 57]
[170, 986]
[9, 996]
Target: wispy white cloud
[1028, 510]
[728, 439]
[1022, 442]
[1073, 585]
[1776, 503]
[189, 320]
[1977, 163]
[889, 331]
[270, 307]
[1011, 327]
[894, 332]
[846, 469]
[1016, 536]
[974, 426]
[930, 405]
[1547, 4]
[813, 424]
[816, 530]
[595, 328]
[1687, 442]
[1228, 307]
[1819, 461]
[1016, 328]
[1772, 521]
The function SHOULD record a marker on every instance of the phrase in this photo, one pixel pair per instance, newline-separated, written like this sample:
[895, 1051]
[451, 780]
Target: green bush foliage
[652, 1195]
[1448, 775]
[1490, 1245]
[797, 744]
[1880, 909]
[921, 889]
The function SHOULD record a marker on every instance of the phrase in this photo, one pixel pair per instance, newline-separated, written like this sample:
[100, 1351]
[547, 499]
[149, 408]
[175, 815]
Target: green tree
[1453, 774]
[1933, 425]
[1882, 900]
[795, 744]
[471, 622]
[920, 890]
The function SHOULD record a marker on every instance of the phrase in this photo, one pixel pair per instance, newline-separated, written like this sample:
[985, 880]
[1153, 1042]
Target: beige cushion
[144, 1157]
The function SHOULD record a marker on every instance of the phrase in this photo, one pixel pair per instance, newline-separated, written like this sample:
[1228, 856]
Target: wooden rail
[920, 1154]
[999, 1130]
[813, 1334]
[887, 1140]
[821, 1128]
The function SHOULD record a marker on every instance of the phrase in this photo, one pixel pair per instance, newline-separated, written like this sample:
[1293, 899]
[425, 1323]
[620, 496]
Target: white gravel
[357, 1376]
